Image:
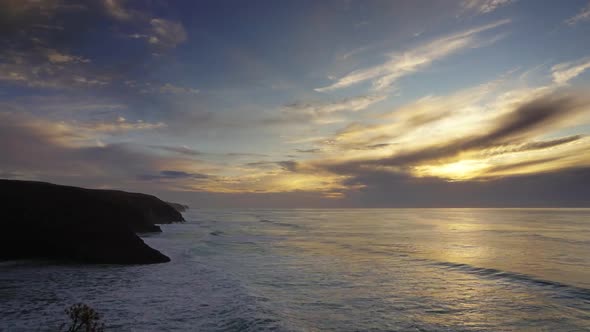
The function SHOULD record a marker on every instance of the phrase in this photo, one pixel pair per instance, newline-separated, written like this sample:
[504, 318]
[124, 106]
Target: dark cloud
[515, 126]
[22, 16]
[375, 146]
[390, 182]
[184, 150]
[245, 154]
[532, 146]
[550, 143]
[308, 150]
[171, 175]
[527, 120]
[537, 114]
[520, 165]
[288, 165]
[262, 164]
[177, 149]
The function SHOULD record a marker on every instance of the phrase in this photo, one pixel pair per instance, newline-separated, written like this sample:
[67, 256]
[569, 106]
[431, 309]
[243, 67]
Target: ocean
[329, 270]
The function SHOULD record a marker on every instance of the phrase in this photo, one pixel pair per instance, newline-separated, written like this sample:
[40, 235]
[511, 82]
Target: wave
[278, 223]
[526, 234]
[248, 324]
[578, 292]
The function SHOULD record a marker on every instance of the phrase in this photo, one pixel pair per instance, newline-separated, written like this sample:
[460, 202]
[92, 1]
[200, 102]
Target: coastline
[48, 221]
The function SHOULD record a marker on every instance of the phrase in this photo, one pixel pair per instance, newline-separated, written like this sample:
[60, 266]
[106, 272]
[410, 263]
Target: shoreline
[48, 221]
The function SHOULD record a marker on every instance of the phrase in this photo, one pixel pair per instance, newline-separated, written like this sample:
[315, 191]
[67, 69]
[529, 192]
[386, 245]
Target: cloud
[185, 150]
[158, 32]
[116, 10]
[539, 145]
[85, 138]
[14, 11]
[410, 61]
[354, 104]
[356, 51]
[495, 146]
[121, 125]
[27, 23]
[531, 118]
[376, 146]
[167, 34]
[173, 89]
[262, 164]
[583, 15]
[324, 112]
[41, 67]
[74, 133]
[564, 72]
[36, 148]
[44, 46]
[56, 57]
[308, 150]
[499, 150]
[171, 175]
[245, 154]
[288, 165]
[75, 108]
[379, 189]
[412, 117]
[167, 88]
[485, 6]
[520, 165]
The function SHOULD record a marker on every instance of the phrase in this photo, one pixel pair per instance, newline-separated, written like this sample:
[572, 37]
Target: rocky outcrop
[43, 220]
[150, 209]
[178, 207]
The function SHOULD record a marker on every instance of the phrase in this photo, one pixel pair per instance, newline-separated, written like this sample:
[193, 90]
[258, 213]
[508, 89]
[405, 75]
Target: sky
[467, 103]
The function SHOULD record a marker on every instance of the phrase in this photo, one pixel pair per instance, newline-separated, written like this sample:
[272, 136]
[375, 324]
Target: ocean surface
[330, 270]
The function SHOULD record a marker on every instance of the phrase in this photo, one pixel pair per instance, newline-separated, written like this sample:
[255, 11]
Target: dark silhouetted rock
[43, 220]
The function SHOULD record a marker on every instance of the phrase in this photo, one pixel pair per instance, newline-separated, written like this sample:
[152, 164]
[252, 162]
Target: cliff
[178, 207]
[43, 220]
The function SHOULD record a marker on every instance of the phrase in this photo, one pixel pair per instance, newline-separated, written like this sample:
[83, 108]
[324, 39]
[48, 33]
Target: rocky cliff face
[42, 220]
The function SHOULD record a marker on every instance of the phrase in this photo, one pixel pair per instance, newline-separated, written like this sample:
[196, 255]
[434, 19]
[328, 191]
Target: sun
[455, 171]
